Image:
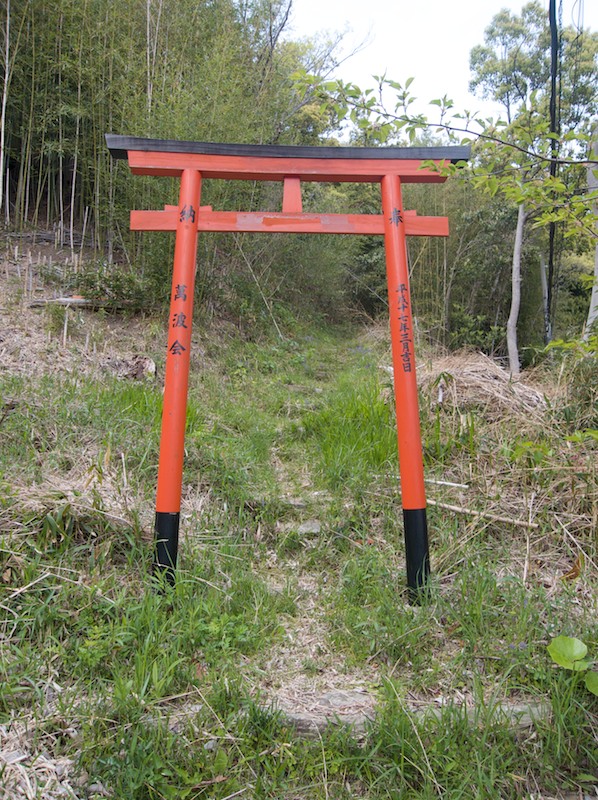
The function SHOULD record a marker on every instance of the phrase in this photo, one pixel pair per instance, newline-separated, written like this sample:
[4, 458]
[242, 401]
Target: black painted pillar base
[416, 551]
[167, 545]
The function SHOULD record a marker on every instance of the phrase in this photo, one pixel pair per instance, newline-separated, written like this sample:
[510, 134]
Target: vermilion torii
[193, 162]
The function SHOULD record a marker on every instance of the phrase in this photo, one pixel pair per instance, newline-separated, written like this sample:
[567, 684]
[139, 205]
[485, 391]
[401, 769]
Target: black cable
[554, 129]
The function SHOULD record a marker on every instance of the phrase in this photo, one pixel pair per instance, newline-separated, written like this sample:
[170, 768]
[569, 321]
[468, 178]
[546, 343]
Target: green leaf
[220, 762]
[581, 666]
[583, 436]
[591, 682]
[585, 777]
[568, 652]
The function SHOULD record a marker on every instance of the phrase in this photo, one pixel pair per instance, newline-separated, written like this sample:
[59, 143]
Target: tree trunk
[151, 51]
[515, 295]
[593, 311]
[76, 156]
[4, 100]
[61, 144]
[593, 186]
[545, 304]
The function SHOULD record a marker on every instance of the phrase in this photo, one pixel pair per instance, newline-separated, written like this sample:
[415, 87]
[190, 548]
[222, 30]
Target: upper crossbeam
[275, 163]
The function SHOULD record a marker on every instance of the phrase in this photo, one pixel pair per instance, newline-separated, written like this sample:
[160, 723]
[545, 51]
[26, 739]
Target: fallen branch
[433, 481]
[575, 542]
[483, 514]
[79, 302]
[447, 483]
[22, 589]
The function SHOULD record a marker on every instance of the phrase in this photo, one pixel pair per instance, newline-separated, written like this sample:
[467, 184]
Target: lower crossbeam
[281, 222]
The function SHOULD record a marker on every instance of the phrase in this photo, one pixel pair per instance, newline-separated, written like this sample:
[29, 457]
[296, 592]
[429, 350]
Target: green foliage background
[227, 71]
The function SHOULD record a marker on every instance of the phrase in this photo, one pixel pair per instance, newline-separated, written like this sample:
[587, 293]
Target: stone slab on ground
[312, 713]
[315, 712]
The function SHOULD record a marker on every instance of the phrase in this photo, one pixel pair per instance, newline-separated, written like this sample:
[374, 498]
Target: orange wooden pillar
[405, 384]
[174, 414]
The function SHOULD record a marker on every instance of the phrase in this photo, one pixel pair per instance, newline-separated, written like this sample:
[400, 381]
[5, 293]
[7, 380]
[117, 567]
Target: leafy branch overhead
[512, 69]
[511, 159]
[526, 157]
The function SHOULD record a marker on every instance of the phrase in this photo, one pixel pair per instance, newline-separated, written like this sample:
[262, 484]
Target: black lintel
[119, 145]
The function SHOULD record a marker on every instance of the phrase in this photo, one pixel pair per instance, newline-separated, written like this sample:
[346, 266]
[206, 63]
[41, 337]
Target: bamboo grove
[212, 71]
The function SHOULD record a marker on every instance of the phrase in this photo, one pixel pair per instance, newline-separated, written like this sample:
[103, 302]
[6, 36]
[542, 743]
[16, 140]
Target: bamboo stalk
[66, 325]
[4, 98]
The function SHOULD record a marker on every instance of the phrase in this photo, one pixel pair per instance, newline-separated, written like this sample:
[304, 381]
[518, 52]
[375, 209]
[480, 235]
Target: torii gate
[193, 161]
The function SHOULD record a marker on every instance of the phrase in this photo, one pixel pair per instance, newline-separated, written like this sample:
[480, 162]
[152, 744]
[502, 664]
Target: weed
[570, 653]
[579, 384]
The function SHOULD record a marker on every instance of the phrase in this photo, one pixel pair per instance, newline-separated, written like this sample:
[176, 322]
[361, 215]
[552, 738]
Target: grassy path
[292, 576]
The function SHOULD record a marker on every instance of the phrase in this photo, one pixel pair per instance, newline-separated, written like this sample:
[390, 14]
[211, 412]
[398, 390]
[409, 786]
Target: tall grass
[353, 434]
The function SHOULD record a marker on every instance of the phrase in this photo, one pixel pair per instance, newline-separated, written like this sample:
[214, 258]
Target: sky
[428, 40]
